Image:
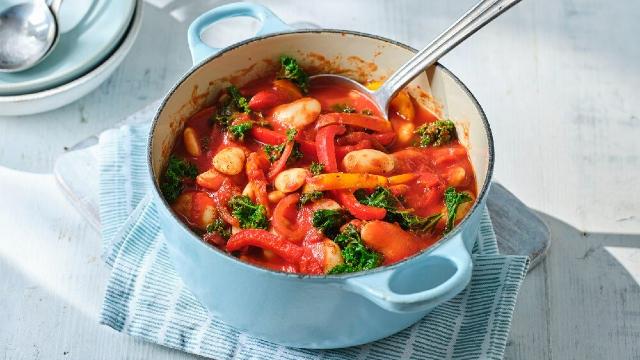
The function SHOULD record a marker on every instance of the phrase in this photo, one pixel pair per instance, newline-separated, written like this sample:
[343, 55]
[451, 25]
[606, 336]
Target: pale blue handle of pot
[377, 287]
[269, 23]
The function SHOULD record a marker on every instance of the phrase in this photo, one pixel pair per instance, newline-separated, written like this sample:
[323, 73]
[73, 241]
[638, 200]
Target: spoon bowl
[349, 83]
[28, 33]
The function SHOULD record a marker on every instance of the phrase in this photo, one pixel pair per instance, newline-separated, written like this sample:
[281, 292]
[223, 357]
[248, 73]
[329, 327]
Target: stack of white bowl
[95, 36]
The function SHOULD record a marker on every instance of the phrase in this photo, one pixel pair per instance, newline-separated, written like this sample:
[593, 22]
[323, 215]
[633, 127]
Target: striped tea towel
[146, 298]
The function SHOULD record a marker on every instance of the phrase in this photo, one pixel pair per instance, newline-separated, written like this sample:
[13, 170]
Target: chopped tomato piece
[326, 147]
[357, 209]
[268, 241]
[390, 240]
[374, 123]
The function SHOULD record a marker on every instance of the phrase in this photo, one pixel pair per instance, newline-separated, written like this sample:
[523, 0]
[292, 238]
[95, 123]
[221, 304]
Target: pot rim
[476, 206]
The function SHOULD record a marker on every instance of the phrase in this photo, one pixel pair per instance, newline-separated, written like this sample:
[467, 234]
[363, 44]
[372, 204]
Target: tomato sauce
[279, 212]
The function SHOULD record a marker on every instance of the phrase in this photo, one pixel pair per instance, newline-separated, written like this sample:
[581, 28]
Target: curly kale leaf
[291, 70]
[249, 214]
[383, 198]
[310, 197]
[239, 102]
[220, 227]
[232, 104]
[410, 221]
[316, 168]
[239, 131]
[452, 200]
[275, 151]
[172, 181]
[436, 133]
[357, 257]
[296, 155]
[329, 221]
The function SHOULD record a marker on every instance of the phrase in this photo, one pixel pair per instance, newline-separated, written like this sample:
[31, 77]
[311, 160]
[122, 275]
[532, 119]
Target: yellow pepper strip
[373, 85]
[402, 178]
[336, 181]
[403, 105]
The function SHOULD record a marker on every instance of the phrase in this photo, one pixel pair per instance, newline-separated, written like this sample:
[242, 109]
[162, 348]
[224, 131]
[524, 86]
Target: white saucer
[90, 31]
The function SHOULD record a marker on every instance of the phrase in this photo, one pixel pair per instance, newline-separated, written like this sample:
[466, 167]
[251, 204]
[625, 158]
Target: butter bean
[229, 161]
[368, 161]
[291, 180]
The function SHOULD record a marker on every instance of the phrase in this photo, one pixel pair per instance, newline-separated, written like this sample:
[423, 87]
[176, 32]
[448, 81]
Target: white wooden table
[559, 81]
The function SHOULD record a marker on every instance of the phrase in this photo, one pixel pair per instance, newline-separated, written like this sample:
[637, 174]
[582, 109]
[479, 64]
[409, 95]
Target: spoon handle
[474, 19]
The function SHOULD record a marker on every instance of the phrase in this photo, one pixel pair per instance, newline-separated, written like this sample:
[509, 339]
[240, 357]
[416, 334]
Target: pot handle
[400, 290]
[270, 23]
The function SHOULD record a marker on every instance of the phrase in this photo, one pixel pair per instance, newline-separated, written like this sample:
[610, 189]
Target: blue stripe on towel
[123, 179]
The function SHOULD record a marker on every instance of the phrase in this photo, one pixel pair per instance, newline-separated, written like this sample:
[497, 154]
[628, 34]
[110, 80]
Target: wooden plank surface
[558, 80]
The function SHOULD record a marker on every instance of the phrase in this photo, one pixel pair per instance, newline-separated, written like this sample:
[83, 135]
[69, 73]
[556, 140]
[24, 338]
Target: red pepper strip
[281, 92]
[282, 224]
[271, 137]
[326, 147]
[342, 151]
[266, 240]
[364, 121]
[223, 195]
[384, 138]
[266, 99]
[268, 136]
[356, 208]
[281, 163]
[357, 136]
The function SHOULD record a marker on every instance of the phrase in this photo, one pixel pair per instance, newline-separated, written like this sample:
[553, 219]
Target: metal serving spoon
[481, 14]
[28, 33]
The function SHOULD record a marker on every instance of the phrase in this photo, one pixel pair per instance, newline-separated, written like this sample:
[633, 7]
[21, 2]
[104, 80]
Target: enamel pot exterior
[315, 311]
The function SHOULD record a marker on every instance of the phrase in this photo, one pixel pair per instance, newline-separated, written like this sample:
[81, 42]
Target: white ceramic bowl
[98, 29]
[65, 94]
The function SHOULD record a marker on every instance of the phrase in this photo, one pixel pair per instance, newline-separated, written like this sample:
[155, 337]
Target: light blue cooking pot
[315, 311]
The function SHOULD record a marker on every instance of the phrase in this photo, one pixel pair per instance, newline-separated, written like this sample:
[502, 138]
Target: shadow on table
[36, 322]
[582, 301]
